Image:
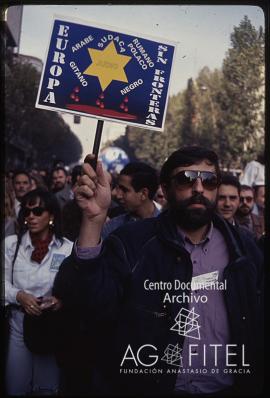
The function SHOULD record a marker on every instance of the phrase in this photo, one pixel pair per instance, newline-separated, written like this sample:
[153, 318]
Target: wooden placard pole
[93, 162]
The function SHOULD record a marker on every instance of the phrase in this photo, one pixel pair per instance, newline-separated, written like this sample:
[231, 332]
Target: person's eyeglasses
[248, 199]
[37, 211]
[188, 177]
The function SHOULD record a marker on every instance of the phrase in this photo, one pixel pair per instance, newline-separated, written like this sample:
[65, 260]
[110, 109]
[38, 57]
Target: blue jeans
[28, 373]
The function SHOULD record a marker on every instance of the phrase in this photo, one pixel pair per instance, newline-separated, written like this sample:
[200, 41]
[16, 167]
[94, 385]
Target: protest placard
[109, 75]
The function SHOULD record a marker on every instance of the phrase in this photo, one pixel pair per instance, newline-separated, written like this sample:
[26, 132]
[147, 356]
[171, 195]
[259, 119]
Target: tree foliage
[243, 93]
[221, 109]
[189, 127]
[43, 135]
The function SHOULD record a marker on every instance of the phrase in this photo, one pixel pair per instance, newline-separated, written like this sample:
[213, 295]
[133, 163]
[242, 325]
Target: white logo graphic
[172, 355]
[187, 324]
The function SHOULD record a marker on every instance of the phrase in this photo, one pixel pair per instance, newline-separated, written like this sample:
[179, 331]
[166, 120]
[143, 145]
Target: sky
[202, 34]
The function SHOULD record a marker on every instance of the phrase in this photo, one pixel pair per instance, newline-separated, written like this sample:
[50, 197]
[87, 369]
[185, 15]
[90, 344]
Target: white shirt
[17, 206]
[28, 275]
[158, 205]
[253, 174]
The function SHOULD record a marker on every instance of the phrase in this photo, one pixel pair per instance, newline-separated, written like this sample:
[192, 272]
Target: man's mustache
[244, 207]
[197, 199]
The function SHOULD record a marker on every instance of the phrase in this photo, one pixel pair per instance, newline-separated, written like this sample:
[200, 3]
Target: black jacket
[108, 294]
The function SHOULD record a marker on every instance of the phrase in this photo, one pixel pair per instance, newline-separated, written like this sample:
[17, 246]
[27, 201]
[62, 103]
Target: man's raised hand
[93, 192]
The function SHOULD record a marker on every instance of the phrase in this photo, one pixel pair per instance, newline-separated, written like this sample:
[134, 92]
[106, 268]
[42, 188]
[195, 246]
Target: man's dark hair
[229, 179]
[58, 168]
[49, 202]
[187, 156]
[246, 188]
[18, 172]
[142, 176]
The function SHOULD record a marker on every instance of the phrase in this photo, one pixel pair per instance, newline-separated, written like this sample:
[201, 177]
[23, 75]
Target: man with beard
[59, 179]
[176, 299]
[244, 215]
[60, 186]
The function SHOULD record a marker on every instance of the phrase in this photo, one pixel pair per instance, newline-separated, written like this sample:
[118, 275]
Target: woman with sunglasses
[32, 260]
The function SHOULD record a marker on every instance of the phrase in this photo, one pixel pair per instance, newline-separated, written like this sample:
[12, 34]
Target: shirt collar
[28, 243]
[129, 216]
[17, 202]
[17, 206]
[203, 242]
[157, 211]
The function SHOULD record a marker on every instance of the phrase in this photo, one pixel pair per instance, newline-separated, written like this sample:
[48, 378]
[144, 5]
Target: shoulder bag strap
[15, 256]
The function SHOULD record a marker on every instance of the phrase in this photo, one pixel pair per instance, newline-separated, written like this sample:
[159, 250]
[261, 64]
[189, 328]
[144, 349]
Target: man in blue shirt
[177, 298]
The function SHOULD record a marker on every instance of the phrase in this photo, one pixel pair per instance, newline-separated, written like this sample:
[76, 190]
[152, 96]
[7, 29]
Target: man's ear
[164, 188]
[144, 193]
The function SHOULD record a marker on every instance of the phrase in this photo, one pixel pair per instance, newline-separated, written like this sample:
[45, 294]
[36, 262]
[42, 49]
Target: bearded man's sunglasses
[188, 177]
[247, 199]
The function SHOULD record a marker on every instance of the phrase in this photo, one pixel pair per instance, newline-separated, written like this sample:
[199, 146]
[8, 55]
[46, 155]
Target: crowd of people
[82, 244]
